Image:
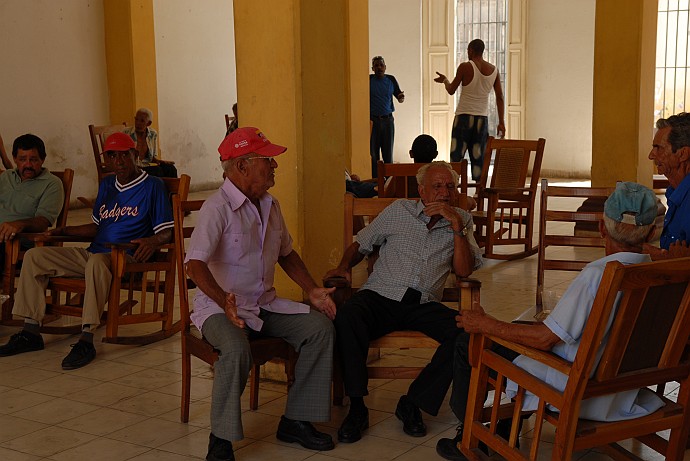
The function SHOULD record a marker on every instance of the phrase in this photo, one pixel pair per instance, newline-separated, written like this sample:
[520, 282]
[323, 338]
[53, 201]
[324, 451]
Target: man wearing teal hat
[628, 223]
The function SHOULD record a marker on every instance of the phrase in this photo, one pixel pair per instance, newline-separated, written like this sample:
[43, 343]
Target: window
[487, 20]
[671, 94]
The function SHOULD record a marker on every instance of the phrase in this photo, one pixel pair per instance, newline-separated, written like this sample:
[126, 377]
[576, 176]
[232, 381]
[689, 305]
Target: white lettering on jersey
[118, 211]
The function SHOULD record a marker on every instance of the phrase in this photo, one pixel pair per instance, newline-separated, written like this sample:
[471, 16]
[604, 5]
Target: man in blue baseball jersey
[131, 207]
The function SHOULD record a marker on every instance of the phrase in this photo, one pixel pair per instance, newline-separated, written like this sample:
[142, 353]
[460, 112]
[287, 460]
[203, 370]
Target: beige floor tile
[49, 441]
[199, 414]
[263, 450]
[149, 403]
[12, 455]
[159, 455]
[55, 411]
[104, 394]
[419, 453]
[148, 379]
[372, 448]
[147, 357]
[62, 385]
[12, 427]
[18, 399]
[153, 432]
[103, 449]
[194, 444]
[106, 370]
[103, 421]
[24, 376]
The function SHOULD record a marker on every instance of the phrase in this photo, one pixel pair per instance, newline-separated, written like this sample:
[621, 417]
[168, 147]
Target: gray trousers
[40, 264]
[309, 399]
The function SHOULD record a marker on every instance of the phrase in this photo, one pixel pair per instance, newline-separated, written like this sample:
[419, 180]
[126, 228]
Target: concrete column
[130, 49]
[299, 80]
[624, 60]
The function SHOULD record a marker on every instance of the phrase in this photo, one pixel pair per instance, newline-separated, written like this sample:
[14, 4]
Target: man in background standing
[470, 126]
[382, 89]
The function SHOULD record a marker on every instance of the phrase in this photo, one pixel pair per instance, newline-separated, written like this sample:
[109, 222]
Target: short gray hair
[146, 111]
[627, 234]
[421, 173]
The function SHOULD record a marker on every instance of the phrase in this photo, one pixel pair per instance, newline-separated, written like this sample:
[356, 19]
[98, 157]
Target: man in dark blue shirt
[131, 207]
[382, 89]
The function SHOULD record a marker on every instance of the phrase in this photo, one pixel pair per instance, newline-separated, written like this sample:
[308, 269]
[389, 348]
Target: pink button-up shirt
[241, 249]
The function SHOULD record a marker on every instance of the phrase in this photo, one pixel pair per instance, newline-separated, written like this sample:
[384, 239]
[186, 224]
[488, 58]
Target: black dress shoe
[409, 414]
[353, 425]
[82, 353]
[448, 448]
[304, 433]
[22, 342]
[219, 449]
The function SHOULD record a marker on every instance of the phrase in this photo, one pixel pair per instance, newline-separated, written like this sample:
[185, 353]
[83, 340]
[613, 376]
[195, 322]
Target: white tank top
[474, 98]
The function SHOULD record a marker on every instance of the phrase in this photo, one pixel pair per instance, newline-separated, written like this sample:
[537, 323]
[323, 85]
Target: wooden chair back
[14, 253]
[193, 343]
[404, 181]
[140, 292]
[648, 309]
[98, 135]
[568, 225]
[464, 294]
[505, 200]
[228, 119]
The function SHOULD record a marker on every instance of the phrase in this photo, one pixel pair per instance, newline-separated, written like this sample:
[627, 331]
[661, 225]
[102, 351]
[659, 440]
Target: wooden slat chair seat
[403, 178]
[561, 220]
[193, 343]
[464, 295]
[505, 201]
[646, 345]
[14, 254]
[140, 293]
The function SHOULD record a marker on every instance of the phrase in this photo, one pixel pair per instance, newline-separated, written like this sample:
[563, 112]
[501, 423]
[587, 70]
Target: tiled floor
[125, 405]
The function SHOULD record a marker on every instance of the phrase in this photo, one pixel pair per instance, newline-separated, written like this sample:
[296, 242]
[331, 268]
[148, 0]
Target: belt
[380, 117]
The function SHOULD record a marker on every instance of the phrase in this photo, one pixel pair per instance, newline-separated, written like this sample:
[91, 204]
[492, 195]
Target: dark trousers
[462, 370]
[368, 315]
[382, 135]
[470, 133]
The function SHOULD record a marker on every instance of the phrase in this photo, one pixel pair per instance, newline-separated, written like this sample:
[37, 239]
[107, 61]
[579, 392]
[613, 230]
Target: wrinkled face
[379, 68]
[29, 163]
[122, 163]
[666, 161]
[438, 186]
[261, 172]
[141, 122]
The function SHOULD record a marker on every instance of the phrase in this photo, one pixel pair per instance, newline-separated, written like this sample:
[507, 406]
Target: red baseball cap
[245, 141]
[118, 142]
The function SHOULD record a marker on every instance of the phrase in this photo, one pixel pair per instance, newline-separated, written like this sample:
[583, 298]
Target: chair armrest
[546, 357]
[132, 246]
[39, 237]
[469, 293]
[343, 289]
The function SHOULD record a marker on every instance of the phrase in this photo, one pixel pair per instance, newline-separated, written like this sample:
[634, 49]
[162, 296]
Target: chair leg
[254, 387]
[186, 384]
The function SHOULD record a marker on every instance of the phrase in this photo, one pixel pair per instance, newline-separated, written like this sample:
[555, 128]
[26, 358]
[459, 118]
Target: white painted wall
[395, 32]
[54, 80]
[195, 49]
[560, 64]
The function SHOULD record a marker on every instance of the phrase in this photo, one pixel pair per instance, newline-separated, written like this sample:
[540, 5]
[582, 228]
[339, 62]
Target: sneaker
[219, 449]
[82, 353]
[22, 342]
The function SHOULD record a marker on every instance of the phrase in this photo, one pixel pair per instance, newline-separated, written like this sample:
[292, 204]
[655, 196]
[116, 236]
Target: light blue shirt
[567, 321]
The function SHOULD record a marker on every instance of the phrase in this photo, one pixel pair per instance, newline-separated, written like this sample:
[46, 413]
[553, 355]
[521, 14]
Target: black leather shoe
[409, 414]
[353, 425]
[219, 449]
[82, 353]
[304, 433]
[448, 448]
[22, 342]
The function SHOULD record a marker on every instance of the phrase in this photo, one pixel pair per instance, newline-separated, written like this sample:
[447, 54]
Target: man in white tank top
[470, 130]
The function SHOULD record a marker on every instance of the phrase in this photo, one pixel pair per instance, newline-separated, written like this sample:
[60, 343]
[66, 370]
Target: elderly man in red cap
[131, 207]
[239, 238]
